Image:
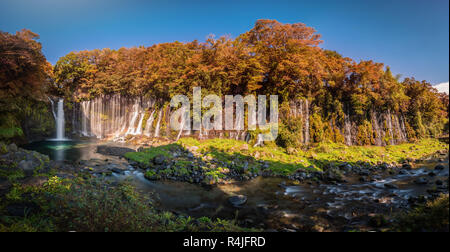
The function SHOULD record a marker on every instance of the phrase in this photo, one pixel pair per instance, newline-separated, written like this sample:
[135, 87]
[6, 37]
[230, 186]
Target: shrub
[431, 217]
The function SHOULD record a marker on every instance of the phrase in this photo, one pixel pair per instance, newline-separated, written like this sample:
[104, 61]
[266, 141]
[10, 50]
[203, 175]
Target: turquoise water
[73, 150]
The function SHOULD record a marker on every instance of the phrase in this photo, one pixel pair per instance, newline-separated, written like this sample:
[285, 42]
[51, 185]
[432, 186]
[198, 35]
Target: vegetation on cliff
[24, 82]
[271, 58]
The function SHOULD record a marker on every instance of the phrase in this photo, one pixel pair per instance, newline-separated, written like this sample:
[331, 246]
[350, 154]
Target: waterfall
[131, 129]
[138, 130]
[306, 120]
[116, 116]
[53, 107]
[59, 119]
[347, 129]
[158, 123]
[148, 125]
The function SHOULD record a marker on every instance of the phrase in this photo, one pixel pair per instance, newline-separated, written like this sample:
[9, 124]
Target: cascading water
[59, 119]
[116, 116]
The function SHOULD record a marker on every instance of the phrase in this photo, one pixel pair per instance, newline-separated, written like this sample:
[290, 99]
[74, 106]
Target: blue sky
[411, 36]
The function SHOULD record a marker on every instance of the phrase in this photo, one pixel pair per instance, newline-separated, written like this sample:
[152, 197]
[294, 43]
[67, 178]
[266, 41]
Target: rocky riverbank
[315, 195]
[39, 194]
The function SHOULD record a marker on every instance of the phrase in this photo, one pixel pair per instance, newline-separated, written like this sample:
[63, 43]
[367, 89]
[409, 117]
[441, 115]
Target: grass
[95, 205]
[315, 158]
[221, 154]
[430, 217]
[146, 156]
[227, 150]
[375, 154]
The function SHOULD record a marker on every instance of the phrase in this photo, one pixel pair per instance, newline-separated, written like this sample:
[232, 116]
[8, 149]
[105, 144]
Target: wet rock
[12, 147]
[159, 159]
[34, 181]
[406, 166]
[439, 182]
[390, 186]
[431, 174]
[421, 181]
[27, 166]
[364, 179]
[402, 172]
[117, 170]
[346, 167]
[364, 173]
[238, 200]
[439, 167]
[113, 150]
[333, 175]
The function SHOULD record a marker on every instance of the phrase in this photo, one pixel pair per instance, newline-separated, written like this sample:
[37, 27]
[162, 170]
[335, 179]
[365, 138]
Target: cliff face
[383, 127]
[117, 117]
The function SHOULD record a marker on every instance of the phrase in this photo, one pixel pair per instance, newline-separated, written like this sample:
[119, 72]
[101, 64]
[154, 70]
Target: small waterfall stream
[59, 119]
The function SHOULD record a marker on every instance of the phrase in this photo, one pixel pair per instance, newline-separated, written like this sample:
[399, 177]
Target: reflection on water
[68, 150]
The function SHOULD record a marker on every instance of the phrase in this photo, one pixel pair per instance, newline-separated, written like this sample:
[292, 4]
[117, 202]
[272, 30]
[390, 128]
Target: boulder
[333, 175]
[390, 186]
[406, 166]
[27, 166]
[421, 181]
[238, 200]
[34, 181]
[12, 147]
[439, 167]
[159, 159]
[113, 150]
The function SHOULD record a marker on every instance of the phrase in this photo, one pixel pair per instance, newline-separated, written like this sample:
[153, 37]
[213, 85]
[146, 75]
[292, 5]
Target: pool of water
[70, 150]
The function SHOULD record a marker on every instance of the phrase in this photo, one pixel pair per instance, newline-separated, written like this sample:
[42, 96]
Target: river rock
[12, 147]
[406, 166]
[117, 170]
[390, 186]
[421, 181]
[439, 167]
[159, 159]
[34, 181]
[113, 150]
[238, 200]
[333, 175]
[27, 166]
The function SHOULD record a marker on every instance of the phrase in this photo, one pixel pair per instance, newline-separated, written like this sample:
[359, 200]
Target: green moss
[3, 148]
[11, 132]
[280, 162]
[146, 156]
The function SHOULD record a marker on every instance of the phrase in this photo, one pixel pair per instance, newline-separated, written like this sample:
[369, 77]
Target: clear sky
[411, 36]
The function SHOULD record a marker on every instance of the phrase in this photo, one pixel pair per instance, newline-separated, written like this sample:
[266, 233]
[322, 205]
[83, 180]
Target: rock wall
[117, 117]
